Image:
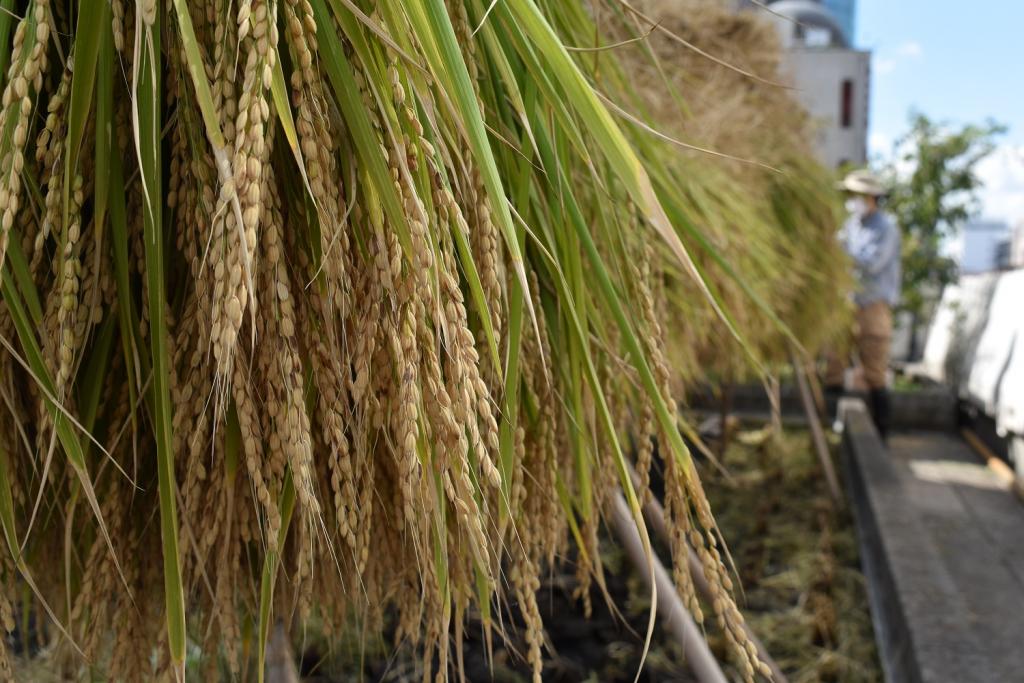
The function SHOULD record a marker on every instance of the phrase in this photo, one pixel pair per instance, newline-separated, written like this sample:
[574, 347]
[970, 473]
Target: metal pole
[656, 517]
[280, 666]
[817, 433]
[695, 649]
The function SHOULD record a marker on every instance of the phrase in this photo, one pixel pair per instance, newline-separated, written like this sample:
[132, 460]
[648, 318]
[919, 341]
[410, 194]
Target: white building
[985, 246]
[832, 79]
[1017, 246]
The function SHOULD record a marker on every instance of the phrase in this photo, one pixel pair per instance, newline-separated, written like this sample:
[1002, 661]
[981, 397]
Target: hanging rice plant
[698, 78]
[334, 312]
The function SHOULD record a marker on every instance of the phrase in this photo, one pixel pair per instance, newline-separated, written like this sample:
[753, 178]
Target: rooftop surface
[943, 545]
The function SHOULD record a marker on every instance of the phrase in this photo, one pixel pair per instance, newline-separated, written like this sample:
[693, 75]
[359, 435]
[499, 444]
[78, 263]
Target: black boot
[833, 392]
[878, 404]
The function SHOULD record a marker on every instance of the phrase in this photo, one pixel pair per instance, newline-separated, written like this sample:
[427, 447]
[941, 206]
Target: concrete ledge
[933, 408]
[746, 398]
[866, 468]
[943, 601]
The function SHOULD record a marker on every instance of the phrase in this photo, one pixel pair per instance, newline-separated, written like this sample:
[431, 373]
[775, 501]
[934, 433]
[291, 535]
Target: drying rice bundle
[762, 224]
[322, 310]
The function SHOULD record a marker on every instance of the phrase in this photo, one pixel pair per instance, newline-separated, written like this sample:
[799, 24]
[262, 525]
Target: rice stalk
[341, 313]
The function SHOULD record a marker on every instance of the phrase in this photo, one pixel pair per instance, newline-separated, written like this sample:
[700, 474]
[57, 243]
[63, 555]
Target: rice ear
[345, 319]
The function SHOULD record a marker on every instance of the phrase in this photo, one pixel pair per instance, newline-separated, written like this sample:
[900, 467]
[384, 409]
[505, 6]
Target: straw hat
[862, 182]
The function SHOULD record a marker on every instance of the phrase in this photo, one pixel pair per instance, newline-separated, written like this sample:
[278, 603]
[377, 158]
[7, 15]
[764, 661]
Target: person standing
[872, 240]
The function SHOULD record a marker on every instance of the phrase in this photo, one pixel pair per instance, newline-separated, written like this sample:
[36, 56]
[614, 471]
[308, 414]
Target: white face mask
[857, 206]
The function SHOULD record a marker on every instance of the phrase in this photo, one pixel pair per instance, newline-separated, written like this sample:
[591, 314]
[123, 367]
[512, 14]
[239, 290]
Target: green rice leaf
[269, 576]
[148, 121]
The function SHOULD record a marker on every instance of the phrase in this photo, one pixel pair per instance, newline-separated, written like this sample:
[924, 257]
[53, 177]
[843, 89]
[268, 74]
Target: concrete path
[943, 546]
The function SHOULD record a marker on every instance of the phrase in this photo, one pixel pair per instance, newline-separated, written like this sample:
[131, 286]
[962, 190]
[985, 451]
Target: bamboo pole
[280, 666]
[775, 400]
[1003, 471]
[816, 392]
[695, 649]
[817, 433]
[655, 515]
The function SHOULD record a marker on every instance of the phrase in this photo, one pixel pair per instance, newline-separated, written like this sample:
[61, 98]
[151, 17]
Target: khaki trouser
[872, 337]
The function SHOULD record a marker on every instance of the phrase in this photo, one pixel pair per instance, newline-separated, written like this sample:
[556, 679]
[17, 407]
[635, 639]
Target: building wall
[818, 76]
[981, 246]
[1017, 246]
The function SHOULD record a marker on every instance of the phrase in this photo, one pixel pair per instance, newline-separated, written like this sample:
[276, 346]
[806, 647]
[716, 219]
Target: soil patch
[797, 558]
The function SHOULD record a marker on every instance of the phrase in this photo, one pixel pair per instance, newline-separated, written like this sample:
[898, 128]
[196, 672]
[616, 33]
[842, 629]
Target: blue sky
[960, 62]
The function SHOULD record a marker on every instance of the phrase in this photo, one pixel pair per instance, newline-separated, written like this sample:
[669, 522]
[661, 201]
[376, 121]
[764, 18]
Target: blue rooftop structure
[837, 16]
[844, 12]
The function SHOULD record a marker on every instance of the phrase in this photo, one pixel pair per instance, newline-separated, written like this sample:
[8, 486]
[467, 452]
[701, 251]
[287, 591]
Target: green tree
[933, 200]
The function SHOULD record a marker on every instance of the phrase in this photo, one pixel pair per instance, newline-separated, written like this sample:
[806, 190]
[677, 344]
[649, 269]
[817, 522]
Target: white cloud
[892, 154]
[911, 49]
[887, 61]
[1002, 196]
[884, 66]
[879, 145]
